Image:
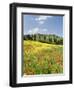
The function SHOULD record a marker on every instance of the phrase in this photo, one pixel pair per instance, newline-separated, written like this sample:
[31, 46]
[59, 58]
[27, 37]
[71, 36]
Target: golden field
[42, 58]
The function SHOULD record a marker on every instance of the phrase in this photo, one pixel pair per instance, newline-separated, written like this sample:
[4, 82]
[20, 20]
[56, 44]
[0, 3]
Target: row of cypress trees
[51, 38]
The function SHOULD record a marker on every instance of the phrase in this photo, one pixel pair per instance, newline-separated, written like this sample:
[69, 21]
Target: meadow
[42, 58]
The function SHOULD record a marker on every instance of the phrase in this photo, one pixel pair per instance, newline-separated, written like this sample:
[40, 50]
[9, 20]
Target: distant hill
[45, 38]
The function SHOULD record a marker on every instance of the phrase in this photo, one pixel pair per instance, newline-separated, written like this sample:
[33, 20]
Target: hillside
[42, 58]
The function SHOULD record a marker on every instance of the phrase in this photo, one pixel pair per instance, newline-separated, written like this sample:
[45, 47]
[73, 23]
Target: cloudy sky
[42, 24]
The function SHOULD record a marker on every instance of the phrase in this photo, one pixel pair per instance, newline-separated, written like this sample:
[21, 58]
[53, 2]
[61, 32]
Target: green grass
[42, 58]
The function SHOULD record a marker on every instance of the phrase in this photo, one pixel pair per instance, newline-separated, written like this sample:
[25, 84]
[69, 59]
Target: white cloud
[42, 19]
[41, 22]
[37, 30]
[30, 31]
[33, 31]
[44, 30]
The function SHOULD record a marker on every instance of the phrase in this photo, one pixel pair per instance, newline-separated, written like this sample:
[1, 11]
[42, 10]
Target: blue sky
[43, 24]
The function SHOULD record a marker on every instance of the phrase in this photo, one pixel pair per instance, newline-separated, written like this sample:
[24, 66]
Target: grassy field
[42, 58]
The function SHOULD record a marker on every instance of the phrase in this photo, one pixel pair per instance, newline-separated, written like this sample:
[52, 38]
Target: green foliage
[51, 39]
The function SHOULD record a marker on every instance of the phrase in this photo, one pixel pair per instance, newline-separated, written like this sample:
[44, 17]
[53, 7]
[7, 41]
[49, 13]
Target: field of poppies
[42, 58]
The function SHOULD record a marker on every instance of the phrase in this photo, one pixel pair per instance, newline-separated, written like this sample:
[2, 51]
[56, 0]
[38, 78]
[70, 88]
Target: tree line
[51, 39]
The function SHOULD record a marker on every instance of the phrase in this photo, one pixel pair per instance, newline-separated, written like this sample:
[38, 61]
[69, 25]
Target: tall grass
[42, 58]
